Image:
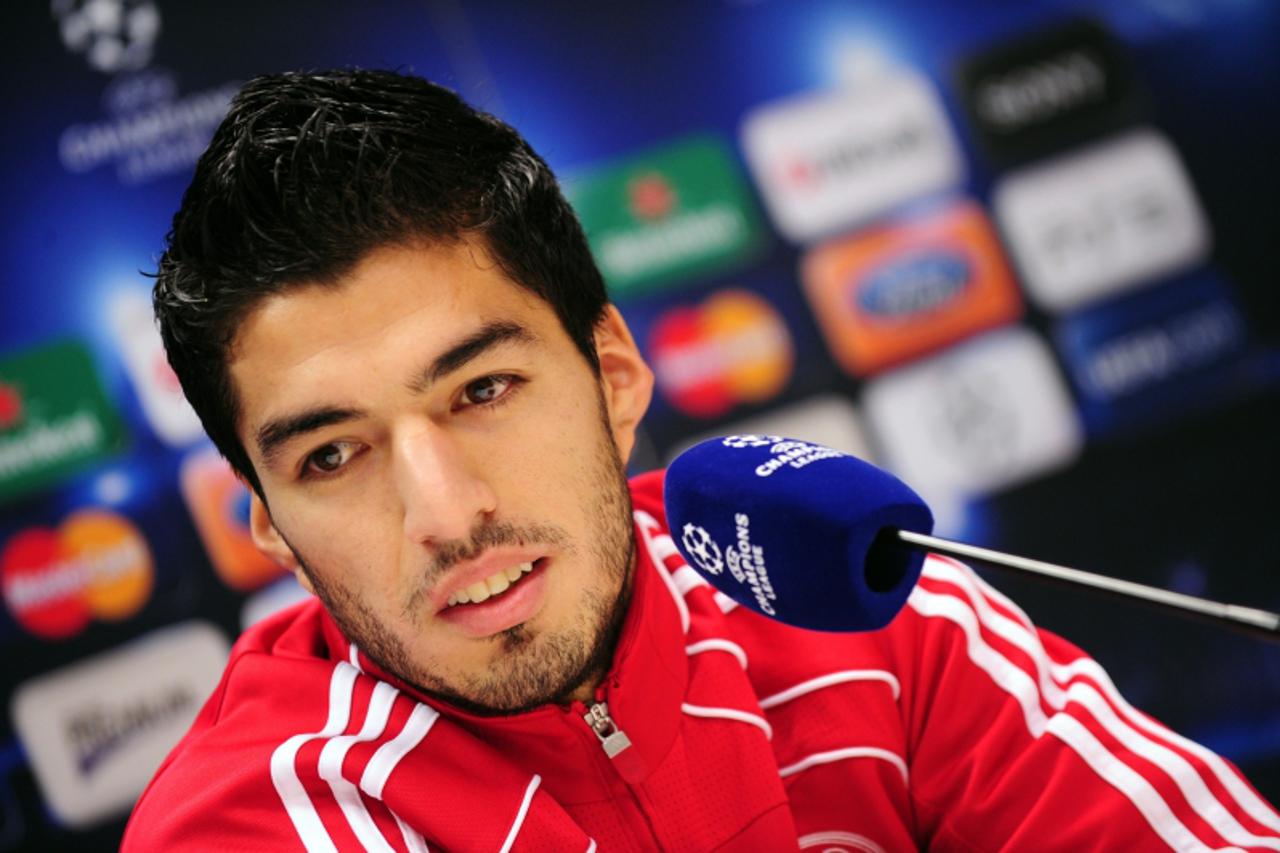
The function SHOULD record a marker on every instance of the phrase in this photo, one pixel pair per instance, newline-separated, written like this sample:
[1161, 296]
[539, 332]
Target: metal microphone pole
[1247, 619]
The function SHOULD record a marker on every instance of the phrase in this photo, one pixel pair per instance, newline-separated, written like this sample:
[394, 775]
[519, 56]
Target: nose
[442, 494]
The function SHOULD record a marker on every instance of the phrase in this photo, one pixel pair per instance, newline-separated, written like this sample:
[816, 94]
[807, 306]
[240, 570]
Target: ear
[625, 380]
[270, 542]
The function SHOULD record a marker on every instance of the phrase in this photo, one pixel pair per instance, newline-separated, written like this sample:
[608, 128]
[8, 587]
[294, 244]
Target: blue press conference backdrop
[1021, 254]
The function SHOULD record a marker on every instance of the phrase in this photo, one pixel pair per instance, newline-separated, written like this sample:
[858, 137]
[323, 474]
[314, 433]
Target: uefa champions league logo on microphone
[784, 452]
[700, 547]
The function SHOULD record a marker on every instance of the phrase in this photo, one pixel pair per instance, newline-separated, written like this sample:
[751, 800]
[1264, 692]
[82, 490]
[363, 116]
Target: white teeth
[496, 583]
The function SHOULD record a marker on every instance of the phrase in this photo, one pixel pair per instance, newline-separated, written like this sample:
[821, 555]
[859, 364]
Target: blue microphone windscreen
[786, 528]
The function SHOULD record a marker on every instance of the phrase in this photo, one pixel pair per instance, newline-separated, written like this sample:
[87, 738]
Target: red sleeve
[1017, 740]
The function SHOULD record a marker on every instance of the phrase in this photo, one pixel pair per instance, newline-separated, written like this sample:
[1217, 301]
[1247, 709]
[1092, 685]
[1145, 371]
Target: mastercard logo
[95, 565]
[733, 348]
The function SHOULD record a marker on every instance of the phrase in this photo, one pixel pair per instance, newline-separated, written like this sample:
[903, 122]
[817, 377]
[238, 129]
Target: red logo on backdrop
[10, 406]
[801, 173]
[94, 565]
[733, 348]
[651, 197]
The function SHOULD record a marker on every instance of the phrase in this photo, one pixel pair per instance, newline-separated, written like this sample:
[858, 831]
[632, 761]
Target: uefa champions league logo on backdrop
[113, 35]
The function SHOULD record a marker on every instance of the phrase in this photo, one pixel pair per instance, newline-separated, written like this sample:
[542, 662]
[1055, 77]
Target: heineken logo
[54, 417]
[676, 212]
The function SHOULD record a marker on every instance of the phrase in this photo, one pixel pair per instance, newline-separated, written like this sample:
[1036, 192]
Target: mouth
[501, 600]
[494, 585]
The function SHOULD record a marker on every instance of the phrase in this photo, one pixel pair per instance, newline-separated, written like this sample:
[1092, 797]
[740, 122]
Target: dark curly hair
[309, 172]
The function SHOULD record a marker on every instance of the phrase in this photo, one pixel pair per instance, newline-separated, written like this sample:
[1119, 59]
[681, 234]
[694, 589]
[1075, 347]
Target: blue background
[1181, 498]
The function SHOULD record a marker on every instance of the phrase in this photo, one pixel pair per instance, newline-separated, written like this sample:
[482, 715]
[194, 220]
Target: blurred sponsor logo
[896, 292]
[828, 419]
[980, 417]
[151, 131]
[1101, 221]
[95, 564]
[1157, 349]
[831, 160]
[54, 417]
[112, 35]
[219, 505]
[733, 348]
[155, 383]
[676, 212]
[97, 730]
[1049, 90]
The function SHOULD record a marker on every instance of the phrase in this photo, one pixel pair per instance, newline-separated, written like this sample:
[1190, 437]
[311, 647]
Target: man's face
[445, 470]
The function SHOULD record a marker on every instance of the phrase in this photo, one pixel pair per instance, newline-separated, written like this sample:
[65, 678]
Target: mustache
[493, 534]
[485, 535]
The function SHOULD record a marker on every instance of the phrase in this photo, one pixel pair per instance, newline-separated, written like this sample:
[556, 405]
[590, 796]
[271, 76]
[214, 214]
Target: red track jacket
[960, 726]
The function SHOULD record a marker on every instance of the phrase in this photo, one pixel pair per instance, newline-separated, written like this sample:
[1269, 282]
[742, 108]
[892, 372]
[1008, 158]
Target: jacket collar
[643, 690]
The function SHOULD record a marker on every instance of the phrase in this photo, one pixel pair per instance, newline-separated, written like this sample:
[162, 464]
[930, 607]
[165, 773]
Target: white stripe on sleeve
[658, 551]
[966, 613]
[521, 814]
[1052, 675]
[842, 754]
[828, 680]
[729, 714]
[284, 774]
[379, 768]
[718, 644]
[413, 841]
[335, 752]
[1244, 796]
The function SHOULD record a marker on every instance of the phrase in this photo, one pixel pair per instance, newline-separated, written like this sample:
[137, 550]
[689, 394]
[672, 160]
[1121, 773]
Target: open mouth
[494, 585]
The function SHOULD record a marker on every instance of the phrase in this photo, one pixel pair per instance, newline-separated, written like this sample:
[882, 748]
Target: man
[389, 322]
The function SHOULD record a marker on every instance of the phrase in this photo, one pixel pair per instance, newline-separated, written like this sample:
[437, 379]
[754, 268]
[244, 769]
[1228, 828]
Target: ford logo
[914, 285]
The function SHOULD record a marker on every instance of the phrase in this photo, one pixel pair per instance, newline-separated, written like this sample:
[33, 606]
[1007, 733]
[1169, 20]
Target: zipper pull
[612, 738]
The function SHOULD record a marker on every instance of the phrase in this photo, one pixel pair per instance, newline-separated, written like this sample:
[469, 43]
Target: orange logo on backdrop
[96, 564]
[895, 292]
[219, 504]
[733, 348]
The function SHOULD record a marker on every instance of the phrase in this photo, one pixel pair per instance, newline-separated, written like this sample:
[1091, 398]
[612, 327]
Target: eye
[329, 458]
[487, 389]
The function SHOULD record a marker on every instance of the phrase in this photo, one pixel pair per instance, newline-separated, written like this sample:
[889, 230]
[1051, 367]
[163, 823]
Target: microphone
[787, 528]
[822, 540]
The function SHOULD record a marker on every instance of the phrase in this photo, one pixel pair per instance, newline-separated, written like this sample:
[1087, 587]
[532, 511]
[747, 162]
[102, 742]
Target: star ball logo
[733, 348]
[739, 442]
[96, 564]
[113, 35]
[702, 549]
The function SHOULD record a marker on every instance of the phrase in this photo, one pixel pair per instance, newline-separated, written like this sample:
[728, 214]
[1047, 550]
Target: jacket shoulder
[211, 789]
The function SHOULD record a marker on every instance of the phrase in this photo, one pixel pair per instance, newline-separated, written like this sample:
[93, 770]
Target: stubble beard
[532, 668]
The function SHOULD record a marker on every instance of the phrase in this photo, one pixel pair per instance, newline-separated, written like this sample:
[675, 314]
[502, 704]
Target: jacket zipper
[613, 740]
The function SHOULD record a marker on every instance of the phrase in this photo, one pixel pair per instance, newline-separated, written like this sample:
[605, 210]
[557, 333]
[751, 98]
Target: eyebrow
[272, 436]
[471, 347]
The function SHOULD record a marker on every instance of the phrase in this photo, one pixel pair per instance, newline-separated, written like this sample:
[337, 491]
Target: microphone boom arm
[1247, 619]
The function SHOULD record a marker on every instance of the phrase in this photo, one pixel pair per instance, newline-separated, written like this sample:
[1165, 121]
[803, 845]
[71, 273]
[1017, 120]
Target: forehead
[399, 304]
